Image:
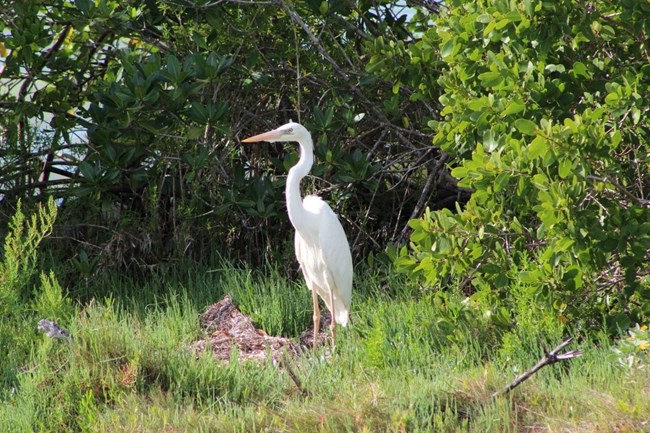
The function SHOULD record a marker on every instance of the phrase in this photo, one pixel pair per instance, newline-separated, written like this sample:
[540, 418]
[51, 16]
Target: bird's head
[291, 131]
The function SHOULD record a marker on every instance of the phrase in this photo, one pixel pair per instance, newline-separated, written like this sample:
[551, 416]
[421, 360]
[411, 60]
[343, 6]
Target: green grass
[402, 365]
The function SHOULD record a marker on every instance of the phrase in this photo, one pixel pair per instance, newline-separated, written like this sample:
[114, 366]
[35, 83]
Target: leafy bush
[140, 107]
[19, 256]
[19, 303]
[543, 108]
[632, 351]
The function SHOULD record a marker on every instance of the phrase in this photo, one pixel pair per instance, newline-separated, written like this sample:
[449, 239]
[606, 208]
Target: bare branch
[434, 173]
[285, 364]
[620, 188]
[549, 358]
[314, 40]
[341, 73]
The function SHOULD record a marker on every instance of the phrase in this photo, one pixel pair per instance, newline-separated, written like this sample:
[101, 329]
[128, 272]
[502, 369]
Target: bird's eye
[290, 131]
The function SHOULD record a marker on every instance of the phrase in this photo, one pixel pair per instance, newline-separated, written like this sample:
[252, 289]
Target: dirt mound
[229, 329]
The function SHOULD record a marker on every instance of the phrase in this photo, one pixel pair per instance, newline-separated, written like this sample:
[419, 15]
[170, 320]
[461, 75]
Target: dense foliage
[537, 107]
[545, 119]
[131, 114]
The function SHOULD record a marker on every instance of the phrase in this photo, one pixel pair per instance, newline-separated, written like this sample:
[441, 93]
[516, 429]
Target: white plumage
[325, 259]
[321, 246]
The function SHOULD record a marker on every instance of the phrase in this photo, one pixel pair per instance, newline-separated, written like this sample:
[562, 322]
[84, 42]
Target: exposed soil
[229, 329]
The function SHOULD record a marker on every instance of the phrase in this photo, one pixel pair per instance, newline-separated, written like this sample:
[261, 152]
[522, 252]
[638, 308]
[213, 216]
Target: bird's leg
[314, 296]
[332, 320]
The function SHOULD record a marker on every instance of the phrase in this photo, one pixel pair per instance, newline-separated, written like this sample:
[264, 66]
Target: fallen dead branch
[285, 364]
[549, 358]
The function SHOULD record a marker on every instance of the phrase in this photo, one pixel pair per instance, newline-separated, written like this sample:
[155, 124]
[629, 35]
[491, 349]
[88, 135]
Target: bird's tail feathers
[341, 313]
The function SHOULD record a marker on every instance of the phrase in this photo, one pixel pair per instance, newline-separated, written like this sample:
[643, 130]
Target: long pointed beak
[266, 136]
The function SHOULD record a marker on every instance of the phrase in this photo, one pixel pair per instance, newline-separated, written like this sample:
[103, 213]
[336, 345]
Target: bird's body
[321, 246]
[325, 260]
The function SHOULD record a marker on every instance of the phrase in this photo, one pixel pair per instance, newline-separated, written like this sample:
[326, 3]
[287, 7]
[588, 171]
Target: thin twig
[285, 364]
[313, 39]
[621, 189]
[296, 18]
[549, 358]
[434, 174]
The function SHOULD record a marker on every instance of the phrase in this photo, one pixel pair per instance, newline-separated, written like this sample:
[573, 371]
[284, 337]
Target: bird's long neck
[297, 213]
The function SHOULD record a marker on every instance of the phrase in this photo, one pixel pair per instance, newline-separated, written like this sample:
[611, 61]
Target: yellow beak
[266, 136]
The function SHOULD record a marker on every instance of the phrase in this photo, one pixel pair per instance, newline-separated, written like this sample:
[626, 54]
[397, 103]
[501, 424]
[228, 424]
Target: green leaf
[459, 172]
[514, 16]
[490, 79]
[609, 244]
[530, 277]
[442, 246]
[87, 170]
[580, 70]
[525, 126]
[619, 322]
[490, 268]
[489, 141]
[616, 138]
[323, 8]
[562, 244]
[540, 181]
[173, 66]
[195, 132]
[513, 107]
[502, 23]
[537, 147]
[83, 6]
[555, 68]
[501, 181]
[565, 168]
[199, 40]
[477, 104]
[198, 112]
[447, 48]
[488, 29]
[612, 99]
[219, 110]
[569, 123]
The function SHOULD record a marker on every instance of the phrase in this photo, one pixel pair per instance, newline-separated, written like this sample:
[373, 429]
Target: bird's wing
[324, 255]
[336, 254]
[300, 249]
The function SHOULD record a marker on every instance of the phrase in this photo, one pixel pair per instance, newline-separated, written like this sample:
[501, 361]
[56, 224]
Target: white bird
[322, 248]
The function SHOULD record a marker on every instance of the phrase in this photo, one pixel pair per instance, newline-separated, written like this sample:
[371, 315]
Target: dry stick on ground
[285, 364]
[549, 358]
